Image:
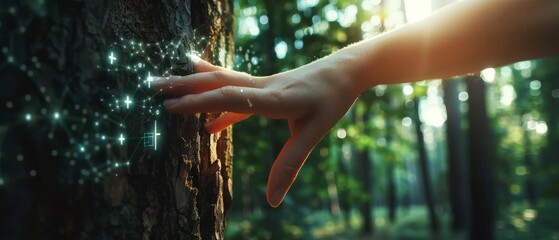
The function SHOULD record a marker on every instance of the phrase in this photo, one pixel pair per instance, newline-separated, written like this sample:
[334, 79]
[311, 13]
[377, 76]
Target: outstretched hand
[312, 98]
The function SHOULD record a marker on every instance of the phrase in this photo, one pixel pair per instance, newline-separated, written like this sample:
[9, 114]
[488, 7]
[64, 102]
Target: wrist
[366, 64]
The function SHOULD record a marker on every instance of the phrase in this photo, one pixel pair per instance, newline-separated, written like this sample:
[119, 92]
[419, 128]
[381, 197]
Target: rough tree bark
[180, 191]
[188, 188]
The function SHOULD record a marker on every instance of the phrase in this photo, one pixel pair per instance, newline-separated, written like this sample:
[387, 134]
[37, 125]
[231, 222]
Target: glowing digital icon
[112, 58]
[150, 138]
[121, 139]
[149, 79]
[127, 102]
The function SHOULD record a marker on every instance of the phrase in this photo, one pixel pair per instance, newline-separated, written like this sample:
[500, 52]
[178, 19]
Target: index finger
[205, 81]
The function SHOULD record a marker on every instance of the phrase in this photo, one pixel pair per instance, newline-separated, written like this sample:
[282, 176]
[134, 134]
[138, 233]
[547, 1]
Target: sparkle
[112, 57]
[28, 117]
[150, 138]
[56, 115]
[150, 79]
[127, 102]
[121, 139]
[155, 133]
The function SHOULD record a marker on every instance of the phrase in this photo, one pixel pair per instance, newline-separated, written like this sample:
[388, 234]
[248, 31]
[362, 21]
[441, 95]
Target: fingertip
[214, 128]
[275, 197]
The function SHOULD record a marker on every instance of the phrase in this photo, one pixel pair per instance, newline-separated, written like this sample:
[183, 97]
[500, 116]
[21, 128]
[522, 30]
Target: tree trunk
[530, 188]
[390, 164]
[75, 180]
[365, 167]
[366, 187]
[424, 168]
[481, 163]
[456, 157]
[187, 190]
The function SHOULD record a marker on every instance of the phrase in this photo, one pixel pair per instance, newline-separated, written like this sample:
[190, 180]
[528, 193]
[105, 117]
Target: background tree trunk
[482, 189]
[390, 163]
[424, 169]
[456, 157]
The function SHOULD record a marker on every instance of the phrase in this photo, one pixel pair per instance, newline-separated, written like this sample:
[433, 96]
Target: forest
[88, 152]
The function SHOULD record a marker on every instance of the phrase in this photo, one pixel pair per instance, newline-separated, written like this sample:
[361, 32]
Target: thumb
[289, 162]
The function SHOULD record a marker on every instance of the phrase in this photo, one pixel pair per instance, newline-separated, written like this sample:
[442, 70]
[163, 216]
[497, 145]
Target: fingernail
[170, 102]
[276, 199]
[195, 58]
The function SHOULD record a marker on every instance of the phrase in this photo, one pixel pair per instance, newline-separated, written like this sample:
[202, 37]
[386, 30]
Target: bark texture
[184, 192]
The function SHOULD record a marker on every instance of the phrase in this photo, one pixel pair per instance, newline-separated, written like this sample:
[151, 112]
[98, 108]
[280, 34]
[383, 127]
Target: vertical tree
[365, 166]
[188, 190]
[424, 168]
[456, 157]
[390, 161]
[180, 191]
[482, 189]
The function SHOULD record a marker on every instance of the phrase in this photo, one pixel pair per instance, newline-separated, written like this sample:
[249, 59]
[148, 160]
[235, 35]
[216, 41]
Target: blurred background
[460, 158]
[447, 159]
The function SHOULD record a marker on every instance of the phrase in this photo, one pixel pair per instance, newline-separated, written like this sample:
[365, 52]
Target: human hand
[312, 98]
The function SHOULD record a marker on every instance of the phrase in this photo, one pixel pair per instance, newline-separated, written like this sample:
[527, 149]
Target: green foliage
[274, 37]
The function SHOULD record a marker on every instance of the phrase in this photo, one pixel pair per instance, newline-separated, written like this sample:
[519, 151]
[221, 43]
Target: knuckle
[275, 96]
[228, 91]
[218, 75]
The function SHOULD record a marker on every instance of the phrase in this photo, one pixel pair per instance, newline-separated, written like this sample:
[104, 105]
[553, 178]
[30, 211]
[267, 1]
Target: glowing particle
[1, 181]
[112, 58]
[116, 164]
[9, 104]
[33, 173]
[341, 133]
[463, 96]
[127, 102]
[28, 117]
[56, 115]
[121, 139]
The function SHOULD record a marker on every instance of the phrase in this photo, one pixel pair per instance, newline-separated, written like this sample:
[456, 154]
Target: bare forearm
[462, 38]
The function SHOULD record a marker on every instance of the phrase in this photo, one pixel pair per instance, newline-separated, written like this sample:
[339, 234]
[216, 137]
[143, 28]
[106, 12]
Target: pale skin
[462, 38]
